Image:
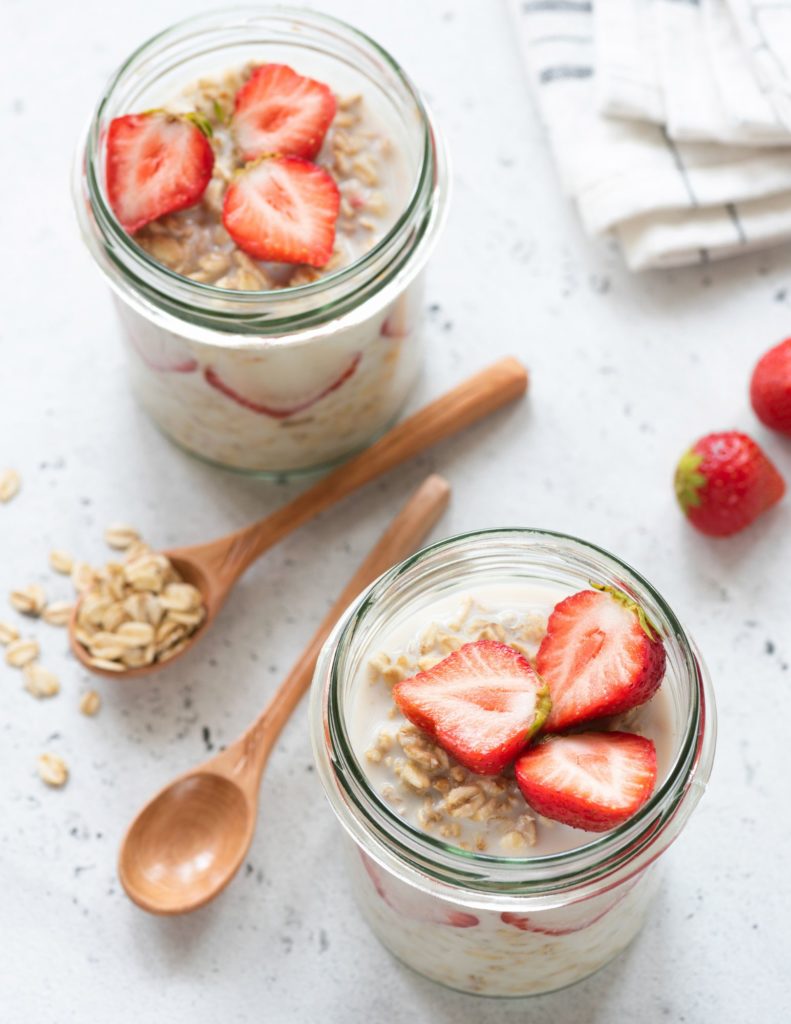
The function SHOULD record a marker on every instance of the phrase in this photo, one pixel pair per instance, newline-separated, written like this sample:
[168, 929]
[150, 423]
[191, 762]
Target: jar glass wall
[282, 379]
[502, 925]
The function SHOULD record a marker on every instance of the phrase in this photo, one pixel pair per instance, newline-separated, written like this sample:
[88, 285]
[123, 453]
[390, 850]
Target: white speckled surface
[626, 372]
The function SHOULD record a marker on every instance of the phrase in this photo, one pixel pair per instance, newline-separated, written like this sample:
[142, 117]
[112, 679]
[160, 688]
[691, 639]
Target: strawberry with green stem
[600, 656]
[724, 482]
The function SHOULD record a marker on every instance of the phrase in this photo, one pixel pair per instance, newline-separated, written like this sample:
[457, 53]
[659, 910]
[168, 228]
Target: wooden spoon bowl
[189, 841]
[188, 838]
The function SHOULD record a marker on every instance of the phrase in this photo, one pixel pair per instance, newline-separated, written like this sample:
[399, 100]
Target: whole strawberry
[724, 482]
[770, 388]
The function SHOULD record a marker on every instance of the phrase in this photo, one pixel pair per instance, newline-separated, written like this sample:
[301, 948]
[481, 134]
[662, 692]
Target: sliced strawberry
[280, 407]
[162, 352]
[281, 113]
[157, 163]
[159, 349]
[397, 323]
[567, 920]
[599, 657]
[283, 210]
[591, 780]
[482, 704]
[412, 903]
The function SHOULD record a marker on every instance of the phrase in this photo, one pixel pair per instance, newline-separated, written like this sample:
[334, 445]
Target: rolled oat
[61, 561]
[29, 600]
[10, 483]
[8, 633]
[90, 702]
[39, 681]
[58, 613]
[121, 536]
[135, 612]
[21, 652]
[52, 770]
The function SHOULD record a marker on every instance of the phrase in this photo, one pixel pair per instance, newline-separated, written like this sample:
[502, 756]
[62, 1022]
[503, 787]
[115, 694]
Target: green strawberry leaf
[200, 121]
[689, 480]
[646, 624]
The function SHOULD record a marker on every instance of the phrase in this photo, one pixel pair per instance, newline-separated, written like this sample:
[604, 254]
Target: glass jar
[309, 373]
[505, 926]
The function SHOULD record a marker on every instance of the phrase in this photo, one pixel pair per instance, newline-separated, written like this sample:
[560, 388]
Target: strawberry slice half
[599, 657]
[283, 209]
[280, 406]
[412, 903]
[567, 920]
[279, 112]
[482, 704]
[156, 163]
[591, 780]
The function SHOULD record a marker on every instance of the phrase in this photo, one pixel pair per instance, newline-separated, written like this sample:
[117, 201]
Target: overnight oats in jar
[511, 726]
[262, 189]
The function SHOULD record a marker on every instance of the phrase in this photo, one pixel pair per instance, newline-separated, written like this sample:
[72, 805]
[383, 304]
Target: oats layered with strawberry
[264, 180]
[514, 721]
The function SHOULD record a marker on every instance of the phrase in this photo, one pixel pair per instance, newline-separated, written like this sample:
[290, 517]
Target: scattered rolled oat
[82, 576]
[52, 770]
[40, 682]
[8, 633]
[90, 702]
[10, 483]
[136, 612]
[61, 561]
[58, 613]
[121, 536]
[21, 652]
[29, 600]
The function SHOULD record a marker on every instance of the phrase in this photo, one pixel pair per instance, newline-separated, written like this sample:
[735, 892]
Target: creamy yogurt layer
[272, 223]
[421, 781]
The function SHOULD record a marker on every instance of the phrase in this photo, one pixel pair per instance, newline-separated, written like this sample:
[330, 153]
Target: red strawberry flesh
[284, 210]
[156, 164]
[412, 903]
[275, 406]
[482, 704]
[593, 780]
[770, 388]
[597, 659]
[724, 482]
[278, 112]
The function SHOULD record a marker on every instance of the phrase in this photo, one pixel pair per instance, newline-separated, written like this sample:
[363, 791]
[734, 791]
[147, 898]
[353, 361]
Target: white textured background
[625, 373]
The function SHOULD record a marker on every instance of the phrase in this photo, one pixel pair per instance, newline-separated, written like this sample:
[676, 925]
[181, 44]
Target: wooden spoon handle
[472, 400]
[400, 539]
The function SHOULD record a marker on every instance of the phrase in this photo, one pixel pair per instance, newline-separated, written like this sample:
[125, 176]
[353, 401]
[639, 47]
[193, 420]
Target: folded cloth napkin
[683, 65]
[669, 203]
[765, 27]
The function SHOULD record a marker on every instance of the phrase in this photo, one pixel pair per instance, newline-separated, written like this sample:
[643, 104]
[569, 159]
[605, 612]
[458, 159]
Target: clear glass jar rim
[614, 855]
[427, 200]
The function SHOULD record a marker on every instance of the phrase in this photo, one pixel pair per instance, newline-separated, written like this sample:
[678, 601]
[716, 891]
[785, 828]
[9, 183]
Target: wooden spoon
[188, 842]
[214, 567]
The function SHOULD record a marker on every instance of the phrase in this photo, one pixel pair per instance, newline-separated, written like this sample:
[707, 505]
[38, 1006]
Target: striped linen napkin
[669, 124]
